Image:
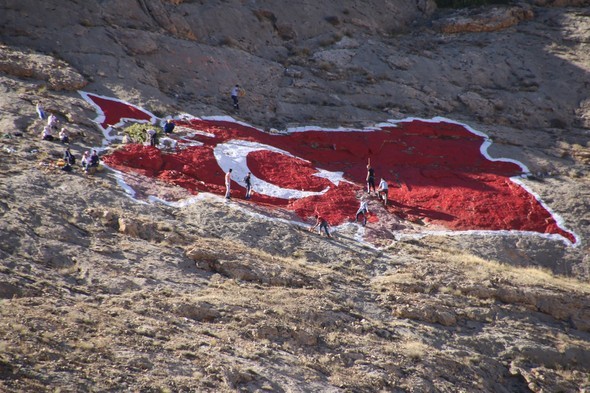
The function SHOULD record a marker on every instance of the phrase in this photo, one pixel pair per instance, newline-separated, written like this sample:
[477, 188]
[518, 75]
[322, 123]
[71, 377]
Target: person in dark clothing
[370, 178]
[169, 127]
[152, 137]
[69, 157]
[94, 159]
[248, 185]
[235, 93]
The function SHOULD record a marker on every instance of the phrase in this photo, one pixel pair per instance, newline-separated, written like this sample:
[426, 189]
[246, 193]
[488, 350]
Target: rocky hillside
[99, 292]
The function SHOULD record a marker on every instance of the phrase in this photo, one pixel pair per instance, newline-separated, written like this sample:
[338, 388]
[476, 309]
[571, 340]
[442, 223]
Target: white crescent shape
[232, 154]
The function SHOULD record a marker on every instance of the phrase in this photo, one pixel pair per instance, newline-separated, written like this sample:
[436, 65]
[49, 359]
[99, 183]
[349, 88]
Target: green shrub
[138, 131]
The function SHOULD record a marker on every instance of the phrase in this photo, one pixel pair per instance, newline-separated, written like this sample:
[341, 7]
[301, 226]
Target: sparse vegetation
[138, 131]
[476, 268]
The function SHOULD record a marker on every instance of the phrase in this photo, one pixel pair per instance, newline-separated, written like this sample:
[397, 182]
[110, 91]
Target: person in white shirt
[85, 161]
[364, 210]
[52, 121]
[383, 191]
[151, 135]
[228, 184]
[64, 136]
[46, 135]
[40, 111]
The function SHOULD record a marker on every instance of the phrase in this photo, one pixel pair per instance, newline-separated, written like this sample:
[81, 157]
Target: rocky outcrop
[171, 22]
[26, 64]
[484, 19]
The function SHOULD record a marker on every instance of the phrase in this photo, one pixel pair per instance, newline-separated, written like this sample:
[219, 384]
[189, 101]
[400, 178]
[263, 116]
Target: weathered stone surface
[485, 20]
[172, 22]
[25, 64]
[200, 311]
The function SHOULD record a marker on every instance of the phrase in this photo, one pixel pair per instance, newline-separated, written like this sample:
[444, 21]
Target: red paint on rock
[114, 111]
[436, 172]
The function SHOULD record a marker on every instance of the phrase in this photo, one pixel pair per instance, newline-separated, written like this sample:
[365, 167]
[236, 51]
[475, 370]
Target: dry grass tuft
[415, 349]
[477, 268]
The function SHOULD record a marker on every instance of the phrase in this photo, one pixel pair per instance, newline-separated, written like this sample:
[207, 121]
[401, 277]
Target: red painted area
[114, 111]
[266, 164]
[435, 171]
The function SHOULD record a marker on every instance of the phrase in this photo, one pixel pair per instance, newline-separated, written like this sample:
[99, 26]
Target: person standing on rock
[370, 178]
[40, 111]
[235, 93]
[247, 180]
[151, 136]
[320, 223]
[383, 191]
[228, 184]
[363, 210]
[52, 121]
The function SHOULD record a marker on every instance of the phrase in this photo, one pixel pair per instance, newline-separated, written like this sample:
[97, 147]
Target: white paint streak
[233, 155]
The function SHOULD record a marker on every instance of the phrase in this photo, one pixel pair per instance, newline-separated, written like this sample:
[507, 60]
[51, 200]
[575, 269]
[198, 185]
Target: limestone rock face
[171, 22]
[26, 64]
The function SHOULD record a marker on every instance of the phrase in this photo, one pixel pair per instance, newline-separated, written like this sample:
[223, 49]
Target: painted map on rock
[438, 170]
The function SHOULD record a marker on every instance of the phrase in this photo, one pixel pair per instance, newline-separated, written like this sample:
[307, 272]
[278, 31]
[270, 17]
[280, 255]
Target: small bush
[138, 131]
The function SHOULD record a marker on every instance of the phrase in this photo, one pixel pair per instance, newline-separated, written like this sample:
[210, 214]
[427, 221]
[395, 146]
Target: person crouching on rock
[64, 136]
[46, 135]
[169, 127]
[363, 210]
[85, 162]
[383, 191]
[94, 159]
[321, 223]
[151, 137]
[69, 157]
